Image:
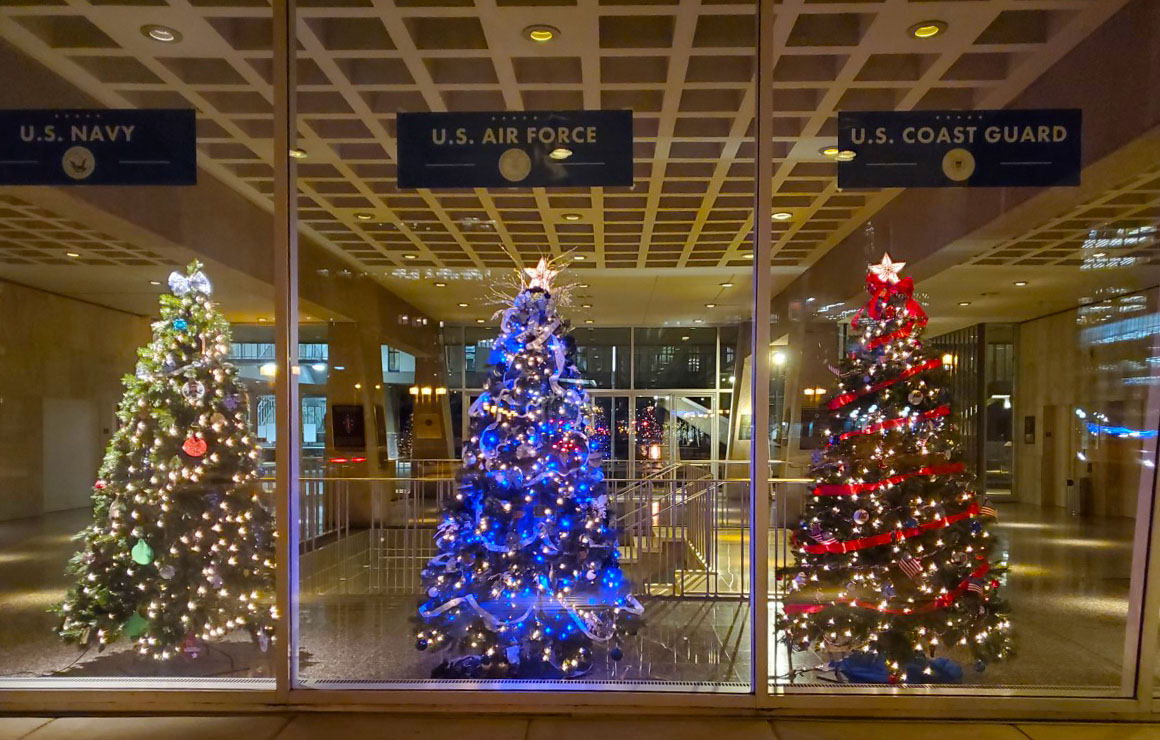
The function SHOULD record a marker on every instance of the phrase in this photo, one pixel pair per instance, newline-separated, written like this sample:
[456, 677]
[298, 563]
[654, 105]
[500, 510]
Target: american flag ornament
[975, 586]
[910, 566]
[822, 538]
[988, 510]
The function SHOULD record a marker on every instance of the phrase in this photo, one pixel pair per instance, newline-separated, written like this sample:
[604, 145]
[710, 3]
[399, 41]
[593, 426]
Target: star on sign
[887, 270]
[541, 275]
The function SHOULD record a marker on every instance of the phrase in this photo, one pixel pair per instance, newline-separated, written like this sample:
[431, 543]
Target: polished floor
[357, 727]
[1068, 588]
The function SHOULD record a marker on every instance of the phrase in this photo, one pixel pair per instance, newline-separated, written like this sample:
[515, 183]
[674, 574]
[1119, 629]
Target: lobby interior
[1047, 299]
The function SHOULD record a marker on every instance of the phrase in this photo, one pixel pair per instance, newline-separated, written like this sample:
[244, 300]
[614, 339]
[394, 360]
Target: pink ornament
[194, 447]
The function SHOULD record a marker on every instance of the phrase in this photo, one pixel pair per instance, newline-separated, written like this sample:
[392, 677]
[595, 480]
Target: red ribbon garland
[852, 489]
[941, 602]
[897, 535]
[839, 401]
[897, 422]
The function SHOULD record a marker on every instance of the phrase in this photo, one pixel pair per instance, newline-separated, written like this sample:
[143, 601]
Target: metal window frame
[1141, 632]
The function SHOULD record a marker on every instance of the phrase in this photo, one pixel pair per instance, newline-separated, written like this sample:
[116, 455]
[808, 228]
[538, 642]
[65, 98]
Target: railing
[681, 535]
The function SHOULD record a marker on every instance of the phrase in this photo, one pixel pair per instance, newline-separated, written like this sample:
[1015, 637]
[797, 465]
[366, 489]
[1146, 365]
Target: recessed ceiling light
[155, 282]
[579, 258]
[541, 34]
[1097, 255]
[261, 319]
[585, 305]
[747, 256]
[408, 256]
[698, 321]
[571, 216]
[74, 255]
[583, 285]
[463, 305]
[1020, 283]
[726, 285]
[964, 303]
[298, 153]
[829, 151]
[164, 34]
[479, 321]
[845, 155]
[587, 321]
[781, 216]
[710, 305]
[927, 29]
[440, 285]
[560, 152]
[685, 338]
[364, 216]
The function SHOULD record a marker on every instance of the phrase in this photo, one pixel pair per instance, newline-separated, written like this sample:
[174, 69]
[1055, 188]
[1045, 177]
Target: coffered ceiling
[685, 67]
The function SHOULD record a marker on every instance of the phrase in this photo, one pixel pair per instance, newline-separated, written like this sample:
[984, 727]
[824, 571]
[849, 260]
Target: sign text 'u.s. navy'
[98, 147]
[523, 149]
[983, 148]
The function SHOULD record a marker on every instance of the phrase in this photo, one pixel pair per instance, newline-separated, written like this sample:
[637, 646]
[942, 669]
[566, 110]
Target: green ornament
[135, 626]
[142, 553]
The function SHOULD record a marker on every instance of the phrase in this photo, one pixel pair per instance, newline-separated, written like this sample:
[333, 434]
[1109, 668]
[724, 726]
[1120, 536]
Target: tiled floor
[359, 726]
[1068, 588]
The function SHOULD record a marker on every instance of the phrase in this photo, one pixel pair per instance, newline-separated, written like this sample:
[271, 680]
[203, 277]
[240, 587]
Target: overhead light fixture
[583, 285]
[541, 33]
[710, 305]
[155, 282]
[463, 305]
[1020, 283]
[829, 151]
[726, 285]
[927, 29]
[1098, 255]
[587, 321]
[747, 256]
[408, 256]
[685, 338]
[74, 255]
[262, 319]
[318, 367]
[164, 34]
[698, 321]
[364, 216]
[571, 216]
[440, 285]
[964, 303]
[560, 152]
[479, 321]
[268, 370]
[846, 155]
[781, 216]
[579, 258]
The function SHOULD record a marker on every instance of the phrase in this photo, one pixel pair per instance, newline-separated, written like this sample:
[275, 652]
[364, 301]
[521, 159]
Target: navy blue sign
[525, 149]
[98, 147]
[984, 148]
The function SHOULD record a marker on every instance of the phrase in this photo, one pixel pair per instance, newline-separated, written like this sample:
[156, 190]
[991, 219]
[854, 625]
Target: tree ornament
[191, 646]
[263, 641]
[914, 397]
[195, 282]
[861, 516]
[231, 402]
[135, 626]
[217, 419]
[193, 390]
[180, 324]
[958, 557]
[167, 572]
[194, 446]
[142, 553]
[980, 666]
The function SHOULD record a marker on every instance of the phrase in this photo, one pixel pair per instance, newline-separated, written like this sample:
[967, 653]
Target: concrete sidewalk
[357, 726]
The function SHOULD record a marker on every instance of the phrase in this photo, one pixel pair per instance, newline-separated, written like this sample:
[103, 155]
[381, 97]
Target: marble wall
[61, 363]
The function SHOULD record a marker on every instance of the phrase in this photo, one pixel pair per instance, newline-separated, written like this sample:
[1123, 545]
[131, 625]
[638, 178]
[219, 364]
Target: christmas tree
[894, 563]
[526, 581]
[181, 548]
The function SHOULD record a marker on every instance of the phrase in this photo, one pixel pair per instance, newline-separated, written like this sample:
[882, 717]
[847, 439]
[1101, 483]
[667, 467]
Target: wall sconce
[414, 390]
[425, 390]
[440, 391]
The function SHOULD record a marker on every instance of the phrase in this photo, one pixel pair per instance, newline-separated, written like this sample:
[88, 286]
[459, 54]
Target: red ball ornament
[100, 485]
[194, 447]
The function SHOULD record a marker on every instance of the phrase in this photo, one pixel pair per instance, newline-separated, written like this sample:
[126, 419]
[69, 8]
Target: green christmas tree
[181, 548]
[896, 573]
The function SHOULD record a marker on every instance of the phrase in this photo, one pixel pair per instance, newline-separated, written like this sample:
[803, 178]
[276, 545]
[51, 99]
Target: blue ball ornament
[180, 324]
[980, 666]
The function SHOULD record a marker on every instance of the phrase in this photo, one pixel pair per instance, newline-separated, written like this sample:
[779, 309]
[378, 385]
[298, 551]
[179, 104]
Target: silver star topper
[887, 270]
[540, 276]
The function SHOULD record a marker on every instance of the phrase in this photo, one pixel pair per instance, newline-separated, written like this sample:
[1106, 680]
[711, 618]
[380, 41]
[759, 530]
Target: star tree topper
[541, 276]
[887, 270]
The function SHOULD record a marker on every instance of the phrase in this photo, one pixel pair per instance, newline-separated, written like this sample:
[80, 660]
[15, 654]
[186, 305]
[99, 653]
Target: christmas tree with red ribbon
[895, 576]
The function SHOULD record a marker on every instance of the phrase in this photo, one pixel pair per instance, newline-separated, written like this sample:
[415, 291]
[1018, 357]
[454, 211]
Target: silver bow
[182, 285]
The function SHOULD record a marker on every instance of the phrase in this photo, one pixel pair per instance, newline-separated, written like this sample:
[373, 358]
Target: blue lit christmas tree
[527, 582]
